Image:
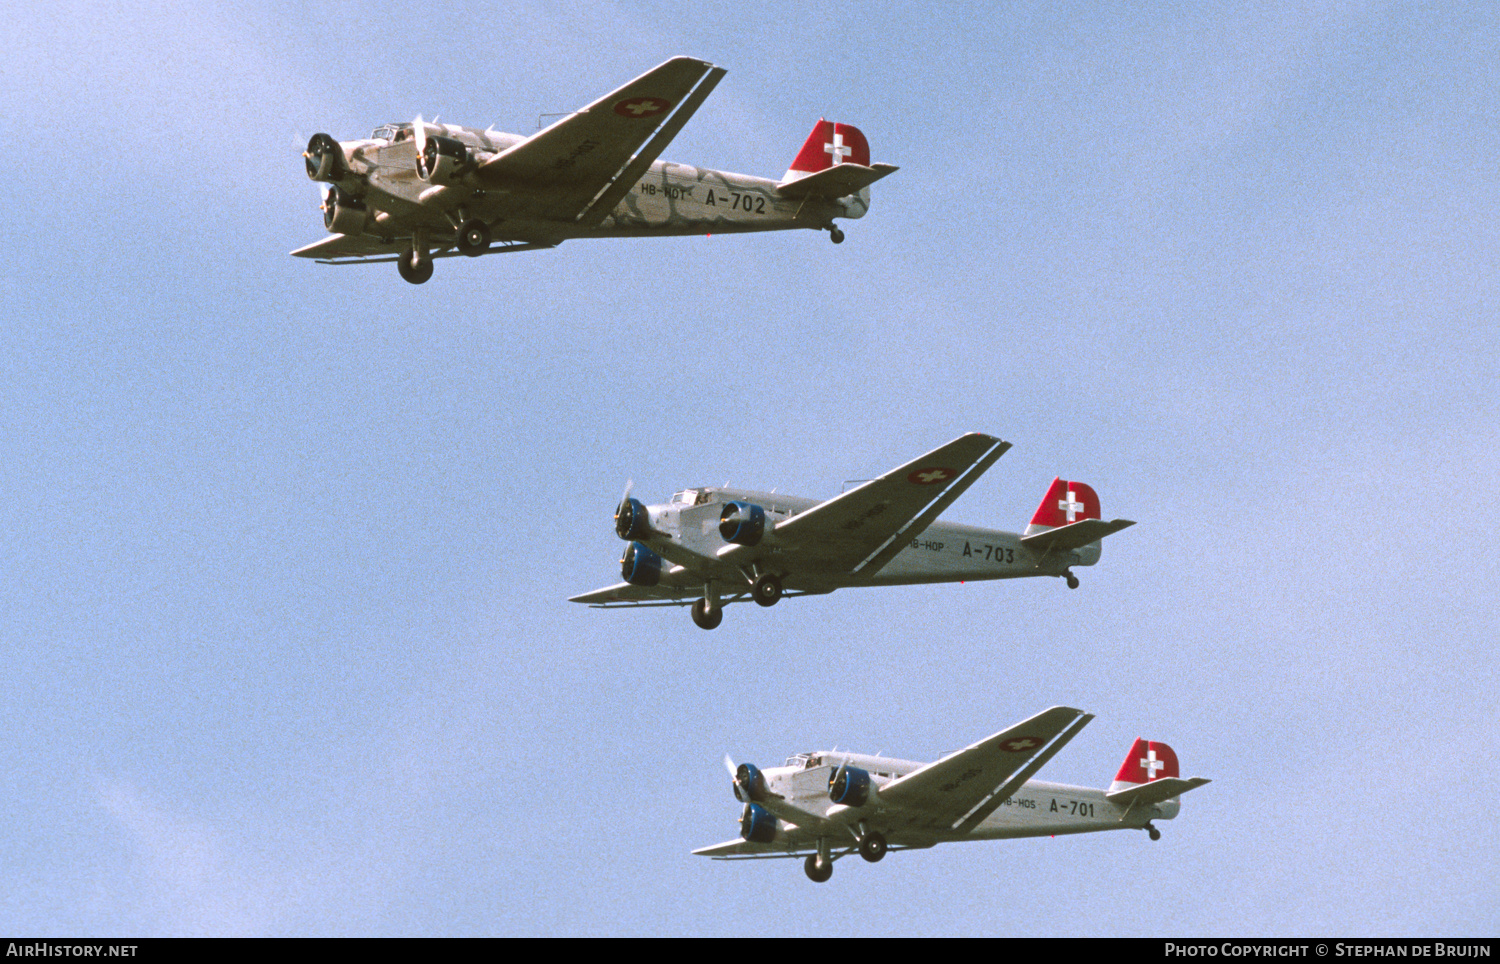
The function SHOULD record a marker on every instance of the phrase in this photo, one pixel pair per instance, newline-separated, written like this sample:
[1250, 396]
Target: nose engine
[749, 783]
[632, 521]
[325, 159]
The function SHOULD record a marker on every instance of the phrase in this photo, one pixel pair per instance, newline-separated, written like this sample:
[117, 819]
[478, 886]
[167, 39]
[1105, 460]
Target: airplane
[829, 804]
[716, 545]
[414, 192]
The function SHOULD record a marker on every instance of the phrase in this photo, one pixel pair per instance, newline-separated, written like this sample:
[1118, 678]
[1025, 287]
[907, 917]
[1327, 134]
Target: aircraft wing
[566, 166]
[368, 249]
[863, 529]
[967, 786]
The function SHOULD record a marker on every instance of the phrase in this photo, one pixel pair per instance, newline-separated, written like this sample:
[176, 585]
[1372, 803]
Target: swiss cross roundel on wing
[1020, 744]
[931, 475]
[639, 107]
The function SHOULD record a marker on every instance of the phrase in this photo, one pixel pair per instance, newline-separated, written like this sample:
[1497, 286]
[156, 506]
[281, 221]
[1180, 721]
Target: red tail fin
[1065, 502]
[1145, 762]
[830, 144]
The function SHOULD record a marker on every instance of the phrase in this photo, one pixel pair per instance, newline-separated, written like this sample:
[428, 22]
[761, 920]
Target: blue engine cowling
[640, 566]
[632, 521]
[742, 523]
[757, 824]
[749, 781]
[849, 786]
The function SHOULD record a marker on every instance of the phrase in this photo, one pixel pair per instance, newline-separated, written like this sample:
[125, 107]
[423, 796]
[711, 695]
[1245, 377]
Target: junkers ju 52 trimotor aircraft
[829, 804]
[413, 192]
[722, 545]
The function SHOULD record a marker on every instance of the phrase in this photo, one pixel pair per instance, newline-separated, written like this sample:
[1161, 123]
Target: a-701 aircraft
[413, 192]
[714, 545]
[829, 804]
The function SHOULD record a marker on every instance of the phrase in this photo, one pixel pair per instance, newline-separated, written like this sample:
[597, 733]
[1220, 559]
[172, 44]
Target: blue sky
[288, 546]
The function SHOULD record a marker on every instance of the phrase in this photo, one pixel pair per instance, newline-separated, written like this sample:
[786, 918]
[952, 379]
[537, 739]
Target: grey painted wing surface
[982, 776]
[565, 166]
[849, 531]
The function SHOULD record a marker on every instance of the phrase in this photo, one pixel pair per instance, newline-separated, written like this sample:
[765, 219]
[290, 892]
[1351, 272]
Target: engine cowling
[325, 159]
[632, 521]
[850, 786]
[742, 523]
[343, 214]
[640, 566]
[443, 160]
[750, 782]
[758, 825]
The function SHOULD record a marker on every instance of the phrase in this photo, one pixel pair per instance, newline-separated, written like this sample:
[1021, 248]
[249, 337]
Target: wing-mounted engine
[325, 159]
[758, 825]
[343, 213]
[742, 523]
[632, 520]
[852, 787]
[444, 160]
[750, 784]
[640, 566]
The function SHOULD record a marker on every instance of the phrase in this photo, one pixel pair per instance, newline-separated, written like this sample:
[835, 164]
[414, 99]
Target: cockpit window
[685, 497]
[802, 761]
[384, 133]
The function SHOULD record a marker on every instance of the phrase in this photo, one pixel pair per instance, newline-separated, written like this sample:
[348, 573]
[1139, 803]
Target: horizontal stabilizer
[1145, 794]
[837, 181]
[1074, 536]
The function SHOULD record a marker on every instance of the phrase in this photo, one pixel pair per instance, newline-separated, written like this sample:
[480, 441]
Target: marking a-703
[991, 553]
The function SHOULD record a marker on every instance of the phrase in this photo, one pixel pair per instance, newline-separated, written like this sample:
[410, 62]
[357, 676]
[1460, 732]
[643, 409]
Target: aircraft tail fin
[1149, 775]
[1069, 518]
[834, 162]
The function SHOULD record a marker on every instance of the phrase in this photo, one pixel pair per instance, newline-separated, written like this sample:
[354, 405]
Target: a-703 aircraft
[829, 804]
[413, 192]
[715, 545]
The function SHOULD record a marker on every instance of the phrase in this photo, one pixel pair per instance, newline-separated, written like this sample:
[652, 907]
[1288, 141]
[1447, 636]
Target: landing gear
[1152, 832]
[1072, 580]
[413, 267]
[473, 238]
[872, 846]
[818, 867]
[708, 616]
[835, 235]
[767, 590]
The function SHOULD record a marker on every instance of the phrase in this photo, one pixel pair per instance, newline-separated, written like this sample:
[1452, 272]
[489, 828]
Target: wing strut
[877, 559]
[1003, 792]
[611, 195]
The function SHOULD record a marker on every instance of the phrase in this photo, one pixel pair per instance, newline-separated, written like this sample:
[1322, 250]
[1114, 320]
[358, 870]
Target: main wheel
[817, 872]
[836, 236]
[473, 238]
[705, 617]
[767, 590]
[872, 846]
[414, 269]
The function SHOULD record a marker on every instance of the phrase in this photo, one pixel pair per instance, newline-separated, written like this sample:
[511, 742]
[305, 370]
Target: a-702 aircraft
[413, 192]
[715, 545]
[829, 804]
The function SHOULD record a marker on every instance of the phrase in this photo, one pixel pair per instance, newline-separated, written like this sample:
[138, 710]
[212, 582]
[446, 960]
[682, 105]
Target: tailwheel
[473, 238]
[872, 846]
[413, 267]
[767, 590]
[1072, 581]
[835, 235]
[818, 869]
[1152, 832]
[707, 616]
